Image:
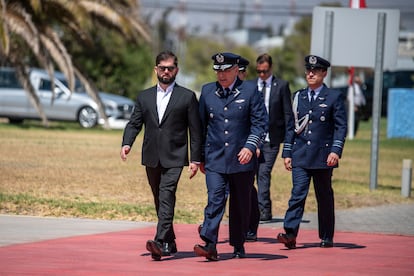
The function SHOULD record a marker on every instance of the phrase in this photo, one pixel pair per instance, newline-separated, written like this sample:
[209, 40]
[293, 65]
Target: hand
[124, 151]
[288, 163]
[333, 159]
[202, 168]
[193, 168]
[245, 155]
[257, 152]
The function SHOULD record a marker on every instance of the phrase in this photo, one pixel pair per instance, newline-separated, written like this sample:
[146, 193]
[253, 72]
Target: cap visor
[222, 66]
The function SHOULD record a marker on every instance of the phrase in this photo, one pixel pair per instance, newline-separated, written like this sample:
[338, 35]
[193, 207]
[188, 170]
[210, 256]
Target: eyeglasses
[169, 68]
[314, 71]
[262, 71]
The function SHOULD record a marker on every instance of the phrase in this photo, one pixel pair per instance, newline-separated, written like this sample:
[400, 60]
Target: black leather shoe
[239, 252]
[265, 216]
[288, 240]
[251, 236]
[326, 243]
[155, 248]
[208, 251]
[168, 248]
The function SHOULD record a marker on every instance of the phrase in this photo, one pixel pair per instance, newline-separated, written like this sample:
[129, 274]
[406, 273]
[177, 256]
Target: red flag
[357, 4]
[351, 72]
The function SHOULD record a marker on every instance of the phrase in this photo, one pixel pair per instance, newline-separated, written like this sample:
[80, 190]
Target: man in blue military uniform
[313, 144]
[234, 120]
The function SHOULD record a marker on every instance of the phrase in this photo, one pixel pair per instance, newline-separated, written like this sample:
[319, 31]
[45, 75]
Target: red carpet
[123, 253]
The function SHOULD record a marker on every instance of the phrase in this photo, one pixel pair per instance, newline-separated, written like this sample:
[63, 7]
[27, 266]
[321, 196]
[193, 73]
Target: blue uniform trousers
[240, 186]
[324, 196]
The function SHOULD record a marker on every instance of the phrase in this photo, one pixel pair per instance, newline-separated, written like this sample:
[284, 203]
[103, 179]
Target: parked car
[77, 106]
[390, 79]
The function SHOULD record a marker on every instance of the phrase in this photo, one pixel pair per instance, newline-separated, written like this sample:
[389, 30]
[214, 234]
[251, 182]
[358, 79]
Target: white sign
[354, 36]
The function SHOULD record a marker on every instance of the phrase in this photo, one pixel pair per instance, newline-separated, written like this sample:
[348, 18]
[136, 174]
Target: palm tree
[35, 28]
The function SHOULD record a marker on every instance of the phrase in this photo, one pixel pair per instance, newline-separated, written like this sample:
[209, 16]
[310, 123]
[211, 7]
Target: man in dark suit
[234, 120]
[314, 143]
[169, 112]
[277, 98]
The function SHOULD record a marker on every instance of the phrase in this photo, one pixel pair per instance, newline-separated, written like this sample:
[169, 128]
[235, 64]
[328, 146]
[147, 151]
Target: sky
[203, 17]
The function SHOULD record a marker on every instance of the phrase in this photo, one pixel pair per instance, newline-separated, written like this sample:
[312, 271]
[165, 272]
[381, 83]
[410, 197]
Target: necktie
[264, 90]
[264, 87]
[226, 92]
[312, 99]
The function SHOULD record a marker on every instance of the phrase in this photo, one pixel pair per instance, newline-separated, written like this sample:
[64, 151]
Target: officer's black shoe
[155, 248]
[288, 240]
[326, 243]
[208, 251]
[251, 236]
[239, 252]
[168, 248]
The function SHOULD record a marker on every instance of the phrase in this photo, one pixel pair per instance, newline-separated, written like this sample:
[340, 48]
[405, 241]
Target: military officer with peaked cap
[234, 120]
[313, 144]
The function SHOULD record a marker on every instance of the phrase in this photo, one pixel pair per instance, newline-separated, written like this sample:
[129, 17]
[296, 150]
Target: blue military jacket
[231, 123]
[324, 132]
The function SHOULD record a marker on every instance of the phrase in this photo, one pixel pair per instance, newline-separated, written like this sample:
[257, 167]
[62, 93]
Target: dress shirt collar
[169, 88]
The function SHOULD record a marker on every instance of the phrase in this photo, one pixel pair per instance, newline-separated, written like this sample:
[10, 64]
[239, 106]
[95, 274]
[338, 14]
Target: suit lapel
[153, 105]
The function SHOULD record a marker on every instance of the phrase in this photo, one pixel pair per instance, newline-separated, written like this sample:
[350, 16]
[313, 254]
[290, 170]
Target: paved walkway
[377, 241]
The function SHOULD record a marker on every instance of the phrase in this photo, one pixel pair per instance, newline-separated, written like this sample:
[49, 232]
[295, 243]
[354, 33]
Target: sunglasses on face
[313, 71]
[169, 68]
[262, 71]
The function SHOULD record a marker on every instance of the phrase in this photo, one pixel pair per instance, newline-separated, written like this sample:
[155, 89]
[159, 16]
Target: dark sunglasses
[262, 71]
[169, 68]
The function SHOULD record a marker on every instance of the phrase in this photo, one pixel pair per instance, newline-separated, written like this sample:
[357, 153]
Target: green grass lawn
[68, 171]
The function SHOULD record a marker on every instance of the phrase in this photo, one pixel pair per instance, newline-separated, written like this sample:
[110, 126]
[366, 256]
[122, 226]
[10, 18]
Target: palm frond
[4, 32]
[114, 17]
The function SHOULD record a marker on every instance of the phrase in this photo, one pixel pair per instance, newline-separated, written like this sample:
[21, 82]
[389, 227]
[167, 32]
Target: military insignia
[323, 105]
[313, 60]
[322, 118]
[220, 58]
[240, 101]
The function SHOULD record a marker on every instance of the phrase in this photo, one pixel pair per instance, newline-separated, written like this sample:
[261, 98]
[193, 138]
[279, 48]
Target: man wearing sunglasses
[234, 121]
[169, 113]
[277, 98]
[313, 144]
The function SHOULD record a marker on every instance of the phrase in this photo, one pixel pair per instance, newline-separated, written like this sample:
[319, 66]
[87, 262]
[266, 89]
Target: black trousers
[163, 182]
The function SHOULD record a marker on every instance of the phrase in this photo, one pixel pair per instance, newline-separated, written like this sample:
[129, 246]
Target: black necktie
[264, 90]
[226, 92]
[312, 99]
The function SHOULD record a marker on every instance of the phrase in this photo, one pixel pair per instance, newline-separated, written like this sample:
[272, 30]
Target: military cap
[313, 61]
[243, 64]
[223, 61]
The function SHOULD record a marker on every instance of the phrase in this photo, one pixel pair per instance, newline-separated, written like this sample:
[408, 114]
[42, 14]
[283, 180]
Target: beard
[166, 80]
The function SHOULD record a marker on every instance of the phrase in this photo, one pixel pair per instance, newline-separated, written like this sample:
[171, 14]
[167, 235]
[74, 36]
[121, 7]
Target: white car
[77, 106]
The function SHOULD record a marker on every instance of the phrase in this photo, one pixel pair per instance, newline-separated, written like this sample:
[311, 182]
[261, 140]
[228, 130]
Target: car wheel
[87, 117]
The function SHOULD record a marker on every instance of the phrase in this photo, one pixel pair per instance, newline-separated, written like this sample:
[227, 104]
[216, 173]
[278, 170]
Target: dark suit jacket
[166, 143]
[280, 110]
